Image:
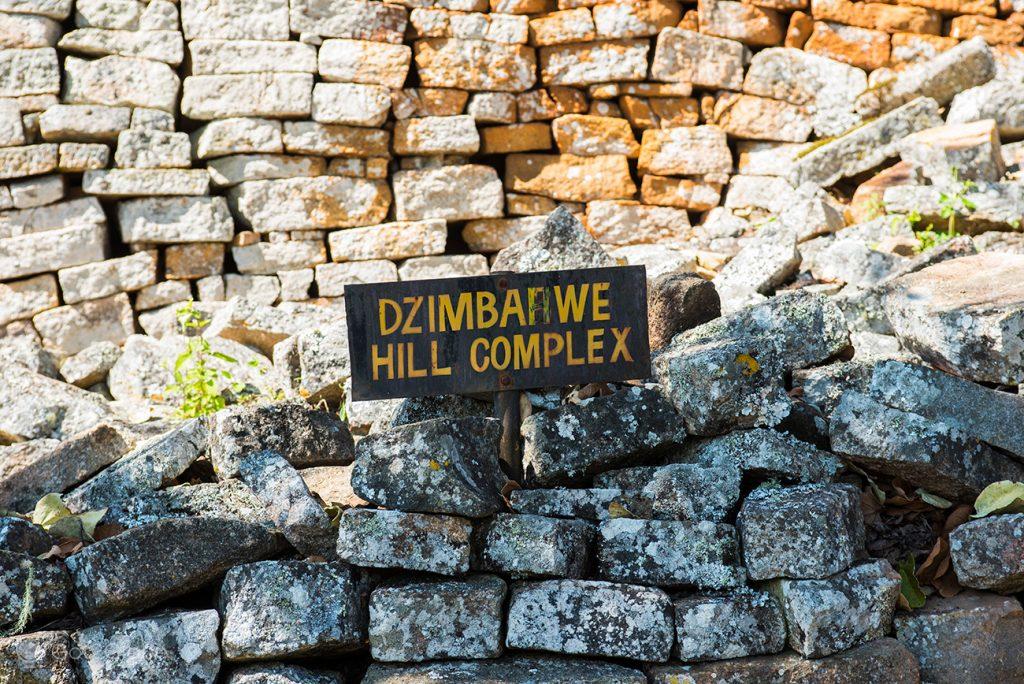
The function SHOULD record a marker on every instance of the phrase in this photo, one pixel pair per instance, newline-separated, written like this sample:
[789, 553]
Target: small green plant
[201, 387]
[874, 207]
[953, 202]
[27, 603]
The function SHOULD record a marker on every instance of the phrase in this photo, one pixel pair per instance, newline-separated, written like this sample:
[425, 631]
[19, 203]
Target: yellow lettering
[413, 371]
[620, 344]
[553, 345]
[526, 351]
[486, 313]
[569, 358]
[383, 305]
[600, 301]
[455, 318]
[435, 369]
[594, 345]
[513, 307]
[409, 328]
[506, 353]
[378, 361]
[570, 302]
[478, 366]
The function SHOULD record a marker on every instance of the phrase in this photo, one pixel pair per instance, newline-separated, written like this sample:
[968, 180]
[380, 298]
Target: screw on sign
[499, 333]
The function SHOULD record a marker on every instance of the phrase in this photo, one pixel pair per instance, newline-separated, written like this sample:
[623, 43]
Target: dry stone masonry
[827, 197]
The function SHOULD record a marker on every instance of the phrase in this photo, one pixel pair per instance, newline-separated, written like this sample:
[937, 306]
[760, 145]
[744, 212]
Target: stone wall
[156, 152]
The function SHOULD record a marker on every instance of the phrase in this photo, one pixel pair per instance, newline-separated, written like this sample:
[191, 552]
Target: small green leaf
[1000, 497]
[909, 586]
[933, 499]
[49, 510]
[224, 357]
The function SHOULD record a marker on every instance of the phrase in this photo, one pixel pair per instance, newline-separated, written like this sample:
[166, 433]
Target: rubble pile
[754, 512]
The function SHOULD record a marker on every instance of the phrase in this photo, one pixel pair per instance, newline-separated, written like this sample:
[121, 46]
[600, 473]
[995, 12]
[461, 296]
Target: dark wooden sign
[504, 331]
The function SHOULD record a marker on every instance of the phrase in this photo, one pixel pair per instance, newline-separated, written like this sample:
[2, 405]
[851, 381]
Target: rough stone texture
[38, 658]
[304, 435]
[576, 441]
[930, 454]
[69, 329]
[291, 609]
[969, 637]
[416, 621]
[180, 646]
[435, 466]
[669, 553]
[413, 541]
[516, 669]
[570, 178]
[454, 193]
[120, 82]
[986, 553]
[524, 546]
[21, 536]
[879, 660]
[976, 410]
[581, 617]
[35, 406]
[765, 453]
[825, 616]
[721, 385]
[252, 95]
[734, 625]
[310, 203]
[169, 558]
[298, 516]
[682, 491]
[280, 673]
[148, 467]
[230, 500]
[561, 244]
[969, 64]
[677, 302]
[866, 146]
[805, 531]
[474, 65]
[50, 588]
[963, 315]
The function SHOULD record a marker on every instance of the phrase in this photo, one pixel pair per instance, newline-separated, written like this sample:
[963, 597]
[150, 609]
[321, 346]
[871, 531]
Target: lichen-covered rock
[177, 647]
[989, 553]
[581, 617]
[825, 616]
[304, 435]
[21, 536]
[561, 244]
[149, 467]
[669, 553]
[291, 609]
[38, 658]
[733, 625]
[987, 414]
[301, 519]
[416, 621]
[516, 669]
[419, 409]
[525, 546]
[588, 504]
[230, 499]
[964, 315]
[679, 491]
[970, 637]
[435, 466]
[925, 453]
[413, 541]
[49, 594]
[807, 328]
[881, 660]
[804, 531]
[168, 558]
[722, 385]
[280, 673]
[765, 453]
[575, 441]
